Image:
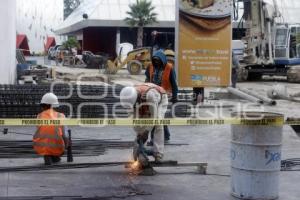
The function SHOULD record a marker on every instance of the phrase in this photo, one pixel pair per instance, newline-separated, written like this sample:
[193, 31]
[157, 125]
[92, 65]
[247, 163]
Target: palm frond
[141, 14]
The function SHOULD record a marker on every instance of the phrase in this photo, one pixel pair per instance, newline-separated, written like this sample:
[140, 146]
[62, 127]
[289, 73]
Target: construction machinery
[170, 54]
[139, 59]
[136, 60]
[272, 47]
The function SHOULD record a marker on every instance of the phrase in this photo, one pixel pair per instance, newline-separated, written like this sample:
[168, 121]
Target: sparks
[135, 165]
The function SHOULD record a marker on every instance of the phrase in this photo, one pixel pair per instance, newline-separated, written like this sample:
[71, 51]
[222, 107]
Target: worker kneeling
[150, 101]
[49, 140]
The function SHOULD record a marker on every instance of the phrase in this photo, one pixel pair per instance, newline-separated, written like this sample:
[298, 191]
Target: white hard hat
[128, 97]
[50, 99]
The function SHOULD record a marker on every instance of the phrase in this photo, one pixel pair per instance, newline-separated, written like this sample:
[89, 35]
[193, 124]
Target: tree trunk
[140, 34]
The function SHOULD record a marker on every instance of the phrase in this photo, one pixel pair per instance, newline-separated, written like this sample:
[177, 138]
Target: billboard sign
[203, 35]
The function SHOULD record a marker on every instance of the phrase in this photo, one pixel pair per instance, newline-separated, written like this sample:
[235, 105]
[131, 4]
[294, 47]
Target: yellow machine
[139, 59]
[170, 56]
[136, 60]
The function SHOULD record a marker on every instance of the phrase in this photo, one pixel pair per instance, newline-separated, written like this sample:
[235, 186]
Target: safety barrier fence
[148, 122]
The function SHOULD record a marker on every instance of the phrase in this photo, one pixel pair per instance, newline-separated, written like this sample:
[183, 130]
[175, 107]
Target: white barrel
[256, 156]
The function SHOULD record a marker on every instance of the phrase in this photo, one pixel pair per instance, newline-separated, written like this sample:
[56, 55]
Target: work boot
[55, 159]
[158, 157]
[48, 160]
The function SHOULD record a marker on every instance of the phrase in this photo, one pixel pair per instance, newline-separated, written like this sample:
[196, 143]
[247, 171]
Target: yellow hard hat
[169, 52]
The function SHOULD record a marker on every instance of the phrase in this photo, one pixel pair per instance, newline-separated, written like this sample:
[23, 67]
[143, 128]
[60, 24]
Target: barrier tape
[147, 122]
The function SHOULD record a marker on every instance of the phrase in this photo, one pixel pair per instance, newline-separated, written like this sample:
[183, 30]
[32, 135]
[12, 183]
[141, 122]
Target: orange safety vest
[48, 140]
[142, 89]
[165, 82]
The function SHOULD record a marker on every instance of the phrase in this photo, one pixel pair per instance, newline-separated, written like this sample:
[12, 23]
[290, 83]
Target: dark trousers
[196, 92]
[234, 77]
[51, 159]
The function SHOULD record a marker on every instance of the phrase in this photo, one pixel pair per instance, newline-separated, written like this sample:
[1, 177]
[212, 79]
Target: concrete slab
[85, 183]
[4, 180]
[206, 143]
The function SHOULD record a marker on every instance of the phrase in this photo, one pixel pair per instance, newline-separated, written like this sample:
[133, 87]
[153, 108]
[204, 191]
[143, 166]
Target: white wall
[7, 41]
[38, 19]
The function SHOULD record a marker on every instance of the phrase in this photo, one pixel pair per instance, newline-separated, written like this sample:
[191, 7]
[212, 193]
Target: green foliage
[141, 14]
[70, 6]
[71, 43]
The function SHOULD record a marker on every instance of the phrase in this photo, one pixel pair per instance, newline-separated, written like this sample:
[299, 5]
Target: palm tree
[140, 15]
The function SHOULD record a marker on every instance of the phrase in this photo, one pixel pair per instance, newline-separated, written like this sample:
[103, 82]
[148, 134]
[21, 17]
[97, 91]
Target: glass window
[293, 42]
[281, 37]
[298, 42]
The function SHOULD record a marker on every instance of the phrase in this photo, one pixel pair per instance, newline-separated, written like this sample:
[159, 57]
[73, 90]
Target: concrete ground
[209, 144]
[205, 144]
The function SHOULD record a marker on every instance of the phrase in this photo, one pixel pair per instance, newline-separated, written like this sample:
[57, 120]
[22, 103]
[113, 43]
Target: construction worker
[147, 100]
[198, 95]
[50, 141]
[234, 69]
[162, 73]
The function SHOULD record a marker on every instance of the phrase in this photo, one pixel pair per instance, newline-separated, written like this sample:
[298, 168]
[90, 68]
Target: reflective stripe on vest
[50, 145]
[142, 90]
[165, 82]
[145, 87]
[47, 135]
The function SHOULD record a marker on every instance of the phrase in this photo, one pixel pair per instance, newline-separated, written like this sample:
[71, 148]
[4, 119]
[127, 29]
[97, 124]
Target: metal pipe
[271, 60]
[264, 99]
[243, 95]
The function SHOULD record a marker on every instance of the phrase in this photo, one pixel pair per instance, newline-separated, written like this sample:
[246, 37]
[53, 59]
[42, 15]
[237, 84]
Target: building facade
[37, 19]
[99, 24]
